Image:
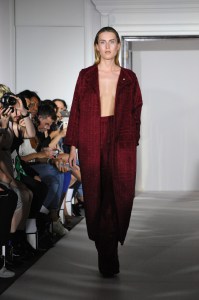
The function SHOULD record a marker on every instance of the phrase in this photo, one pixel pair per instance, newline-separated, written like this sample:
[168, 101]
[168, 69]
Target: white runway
[159, 260]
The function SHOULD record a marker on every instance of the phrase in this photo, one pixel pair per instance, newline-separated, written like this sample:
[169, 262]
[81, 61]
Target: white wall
[54, 40]
[50, 46]
[168, 155]
[7, 44]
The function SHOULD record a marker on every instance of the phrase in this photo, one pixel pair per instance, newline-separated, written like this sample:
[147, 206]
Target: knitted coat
[84, 133]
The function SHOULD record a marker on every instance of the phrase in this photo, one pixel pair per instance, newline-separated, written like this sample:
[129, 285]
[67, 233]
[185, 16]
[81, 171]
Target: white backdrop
[49, 59]
[168, 155]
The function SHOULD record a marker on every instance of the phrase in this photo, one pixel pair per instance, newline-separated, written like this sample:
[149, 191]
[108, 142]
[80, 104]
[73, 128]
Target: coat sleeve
[72, 134]
[137, 109]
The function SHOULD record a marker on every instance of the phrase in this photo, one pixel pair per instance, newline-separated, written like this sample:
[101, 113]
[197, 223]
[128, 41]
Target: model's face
[108, 46]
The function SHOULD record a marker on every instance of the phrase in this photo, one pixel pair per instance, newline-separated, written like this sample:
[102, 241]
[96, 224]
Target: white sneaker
[4, 273]
[58, 228]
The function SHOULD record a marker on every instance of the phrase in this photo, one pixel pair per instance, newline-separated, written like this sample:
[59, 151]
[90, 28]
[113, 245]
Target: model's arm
[72, 135]
[138, 108]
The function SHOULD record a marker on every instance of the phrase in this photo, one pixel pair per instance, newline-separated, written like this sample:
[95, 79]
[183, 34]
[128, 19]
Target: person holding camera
[12, 105]
[104, 126]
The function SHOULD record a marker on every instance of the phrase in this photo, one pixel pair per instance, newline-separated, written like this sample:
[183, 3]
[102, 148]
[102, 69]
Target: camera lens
[12, 101]
[7, 100]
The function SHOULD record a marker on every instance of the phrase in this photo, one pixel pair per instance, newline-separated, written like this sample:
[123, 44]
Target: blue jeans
[54, 180]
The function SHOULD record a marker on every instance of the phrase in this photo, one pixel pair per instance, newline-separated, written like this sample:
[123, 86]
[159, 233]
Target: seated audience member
[32, 100]
[49, 173]
[61, 108]
[24, 172]
[8, 203]
[62, 116]
[18, 241]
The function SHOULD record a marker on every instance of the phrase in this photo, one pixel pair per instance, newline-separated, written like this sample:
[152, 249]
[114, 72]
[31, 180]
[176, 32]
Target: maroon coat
[84, 133]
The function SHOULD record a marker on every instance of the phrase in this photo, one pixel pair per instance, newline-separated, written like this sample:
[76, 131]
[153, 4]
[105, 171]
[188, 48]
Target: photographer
[8, 128]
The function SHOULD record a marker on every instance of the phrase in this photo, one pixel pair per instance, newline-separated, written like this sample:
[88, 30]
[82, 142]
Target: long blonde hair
[97, 55]
[4, 89]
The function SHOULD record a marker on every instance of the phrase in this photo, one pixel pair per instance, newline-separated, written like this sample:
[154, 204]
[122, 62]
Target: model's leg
[107, 242]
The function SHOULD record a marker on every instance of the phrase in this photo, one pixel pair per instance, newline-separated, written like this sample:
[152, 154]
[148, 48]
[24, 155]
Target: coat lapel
[92, 79]
[124, 80]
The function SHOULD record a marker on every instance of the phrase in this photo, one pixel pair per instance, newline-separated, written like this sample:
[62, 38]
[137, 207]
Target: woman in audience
[17, 237]
[49, 173]
[32, 100]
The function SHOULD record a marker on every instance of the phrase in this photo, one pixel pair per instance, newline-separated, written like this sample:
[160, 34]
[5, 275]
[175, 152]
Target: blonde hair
[97, 55]
[4, 89]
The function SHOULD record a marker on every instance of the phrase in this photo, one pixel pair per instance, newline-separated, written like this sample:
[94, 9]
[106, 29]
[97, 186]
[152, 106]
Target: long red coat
[84, 133]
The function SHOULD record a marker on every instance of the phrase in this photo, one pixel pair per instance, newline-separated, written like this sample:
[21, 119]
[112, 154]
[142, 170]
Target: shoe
[76, 210]
[58, 228]
[5, 273]
[45, 241]
[43, 222]
[108, 261]
[108, 267]
[13, 258]
[20, 247]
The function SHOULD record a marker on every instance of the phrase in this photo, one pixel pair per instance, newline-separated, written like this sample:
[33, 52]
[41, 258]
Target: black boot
[45, 237]
[108, 262]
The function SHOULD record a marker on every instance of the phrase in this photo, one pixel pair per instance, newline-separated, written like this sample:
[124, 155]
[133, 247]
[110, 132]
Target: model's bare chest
[107, 89]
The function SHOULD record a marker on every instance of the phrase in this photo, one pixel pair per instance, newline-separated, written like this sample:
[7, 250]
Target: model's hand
[72, 157]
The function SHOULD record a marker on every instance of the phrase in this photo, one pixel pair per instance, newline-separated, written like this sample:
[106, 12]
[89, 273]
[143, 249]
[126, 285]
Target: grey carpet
[160, 258]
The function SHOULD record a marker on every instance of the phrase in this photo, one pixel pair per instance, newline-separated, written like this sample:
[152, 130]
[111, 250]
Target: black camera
[8, 100]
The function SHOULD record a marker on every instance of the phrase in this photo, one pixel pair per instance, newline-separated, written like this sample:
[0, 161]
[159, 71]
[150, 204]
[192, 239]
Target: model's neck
[107, 65]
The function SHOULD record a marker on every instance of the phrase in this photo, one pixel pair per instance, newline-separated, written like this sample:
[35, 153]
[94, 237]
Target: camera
[8, 100]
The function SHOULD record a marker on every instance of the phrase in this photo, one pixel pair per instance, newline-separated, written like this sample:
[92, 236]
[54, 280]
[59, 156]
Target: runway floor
[159, 260]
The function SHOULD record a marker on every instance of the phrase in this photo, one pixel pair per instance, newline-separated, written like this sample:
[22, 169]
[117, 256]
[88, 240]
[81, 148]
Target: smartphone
[65, 122]
[64, 113]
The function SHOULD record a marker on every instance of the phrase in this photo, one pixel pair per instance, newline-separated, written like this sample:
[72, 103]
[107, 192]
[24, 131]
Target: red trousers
[107, 241]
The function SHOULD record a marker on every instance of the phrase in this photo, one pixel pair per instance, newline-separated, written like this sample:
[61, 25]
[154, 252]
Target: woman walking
[104, 127]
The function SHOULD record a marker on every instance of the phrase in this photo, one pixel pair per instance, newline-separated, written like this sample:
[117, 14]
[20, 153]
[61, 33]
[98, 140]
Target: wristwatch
[27, 115]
